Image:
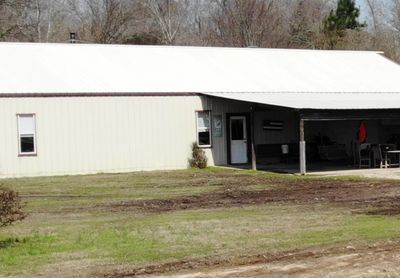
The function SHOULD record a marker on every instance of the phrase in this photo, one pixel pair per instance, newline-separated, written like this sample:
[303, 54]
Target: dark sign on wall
[273, 125]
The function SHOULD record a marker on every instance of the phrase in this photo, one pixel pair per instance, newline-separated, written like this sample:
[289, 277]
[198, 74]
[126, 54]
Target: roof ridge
[187, 47]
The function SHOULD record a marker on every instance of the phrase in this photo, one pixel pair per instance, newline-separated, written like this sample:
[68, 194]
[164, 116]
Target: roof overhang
[321, 101]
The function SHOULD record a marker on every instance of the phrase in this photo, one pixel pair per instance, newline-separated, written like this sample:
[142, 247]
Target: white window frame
[198, 130]
[21, 135]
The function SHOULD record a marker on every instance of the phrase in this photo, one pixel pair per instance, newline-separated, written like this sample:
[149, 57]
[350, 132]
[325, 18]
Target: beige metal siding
[82, 135]
[100, 134]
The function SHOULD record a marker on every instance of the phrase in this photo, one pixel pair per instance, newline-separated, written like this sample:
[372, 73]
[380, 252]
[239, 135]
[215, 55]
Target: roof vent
[72, 37]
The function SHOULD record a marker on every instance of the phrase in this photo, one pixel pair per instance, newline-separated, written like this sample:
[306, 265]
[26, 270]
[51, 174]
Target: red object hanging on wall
[362, 133]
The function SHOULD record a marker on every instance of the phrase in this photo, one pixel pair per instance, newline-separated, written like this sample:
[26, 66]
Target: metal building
[78, 109]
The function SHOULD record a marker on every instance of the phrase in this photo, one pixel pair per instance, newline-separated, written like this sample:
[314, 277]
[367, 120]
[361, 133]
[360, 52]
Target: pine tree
[301, 35]
[344, 17]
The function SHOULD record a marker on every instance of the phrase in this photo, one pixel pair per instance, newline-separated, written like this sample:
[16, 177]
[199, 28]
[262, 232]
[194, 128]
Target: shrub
[10, 207]
[199, 158]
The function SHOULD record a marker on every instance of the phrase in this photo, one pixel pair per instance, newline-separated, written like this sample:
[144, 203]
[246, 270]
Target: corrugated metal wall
[289, 134]
[223, 106]
[218, 154]
[78, 135]
[96, 134]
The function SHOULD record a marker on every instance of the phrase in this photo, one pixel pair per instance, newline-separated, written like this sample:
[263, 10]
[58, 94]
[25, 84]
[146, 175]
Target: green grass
[60, 229]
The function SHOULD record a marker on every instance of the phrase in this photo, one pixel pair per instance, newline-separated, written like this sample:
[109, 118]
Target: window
[204, 128]
[27, 134]
[237, 129]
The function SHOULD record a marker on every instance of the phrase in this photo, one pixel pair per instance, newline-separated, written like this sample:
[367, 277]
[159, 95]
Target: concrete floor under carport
[328, 170]
[294, 168]
[375, 173]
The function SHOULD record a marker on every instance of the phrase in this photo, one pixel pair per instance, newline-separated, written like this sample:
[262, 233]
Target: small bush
[10, 207]
[199, 158]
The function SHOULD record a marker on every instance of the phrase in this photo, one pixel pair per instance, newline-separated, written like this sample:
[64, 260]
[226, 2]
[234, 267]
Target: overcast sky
[363, 6]
[384, 9]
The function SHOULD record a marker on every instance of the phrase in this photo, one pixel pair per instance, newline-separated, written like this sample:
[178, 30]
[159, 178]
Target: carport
[308, 114]
[292, 97]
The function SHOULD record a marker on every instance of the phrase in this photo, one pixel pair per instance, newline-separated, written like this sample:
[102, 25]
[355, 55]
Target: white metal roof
[291, 78]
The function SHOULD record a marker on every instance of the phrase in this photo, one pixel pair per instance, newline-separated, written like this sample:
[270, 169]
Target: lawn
[99, 223]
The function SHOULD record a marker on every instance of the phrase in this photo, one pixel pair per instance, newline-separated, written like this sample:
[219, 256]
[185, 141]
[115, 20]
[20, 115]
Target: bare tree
[12, 19]
[101, 21]
[38, 9]
[305, 23]
[390, 30]
[373, 12]
[196, 23]
[242, 23]
[31, 20]
[248, 23]
[395, 15]
[169, 16]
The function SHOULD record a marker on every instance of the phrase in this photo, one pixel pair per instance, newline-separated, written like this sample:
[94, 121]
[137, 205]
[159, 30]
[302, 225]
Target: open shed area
[333, 140]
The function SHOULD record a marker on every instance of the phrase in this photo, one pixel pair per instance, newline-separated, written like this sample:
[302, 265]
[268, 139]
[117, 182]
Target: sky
[385, 9]
[364, 9]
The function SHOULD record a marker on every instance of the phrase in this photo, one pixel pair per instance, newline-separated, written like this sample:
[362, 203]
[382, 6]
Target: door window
[237, 129]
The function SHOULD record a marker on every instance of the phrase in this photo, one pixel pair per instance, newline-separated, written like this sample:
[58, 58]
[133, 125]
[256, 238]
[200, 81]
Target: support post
[303, 169]
[253, 147]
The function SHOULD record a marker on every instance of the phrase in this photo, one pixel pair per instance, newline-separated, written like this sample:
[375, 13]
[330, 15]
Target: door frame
[228, 135]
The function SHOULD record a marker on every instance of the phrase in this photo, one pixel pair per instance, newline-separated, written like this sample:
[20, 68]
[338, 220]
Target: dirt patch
[209, 263]
[376, 263]
[304, 263]
[364, 195]
[389, 206]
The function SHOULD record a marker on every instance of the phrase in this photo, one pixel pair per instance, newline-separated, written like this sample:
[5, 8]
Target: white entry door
[238, 140]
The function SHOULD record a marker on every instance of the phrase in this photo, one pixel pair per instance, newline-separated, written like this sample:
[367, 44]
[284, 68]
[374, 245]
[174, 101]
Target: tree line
[311, 24]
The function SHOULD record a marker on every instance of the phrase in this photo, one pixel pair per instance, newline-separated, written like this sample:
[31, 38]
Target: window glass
[204, 128]
[26, 124]
[237, 129]
[204, 138]
[203, 119]
[27, 145]
[27, 134]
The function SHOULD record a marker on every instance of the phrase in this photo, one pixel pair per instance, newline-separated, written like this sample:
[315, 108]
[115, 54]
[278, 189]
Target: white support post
[303, 166]
[252, 138]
